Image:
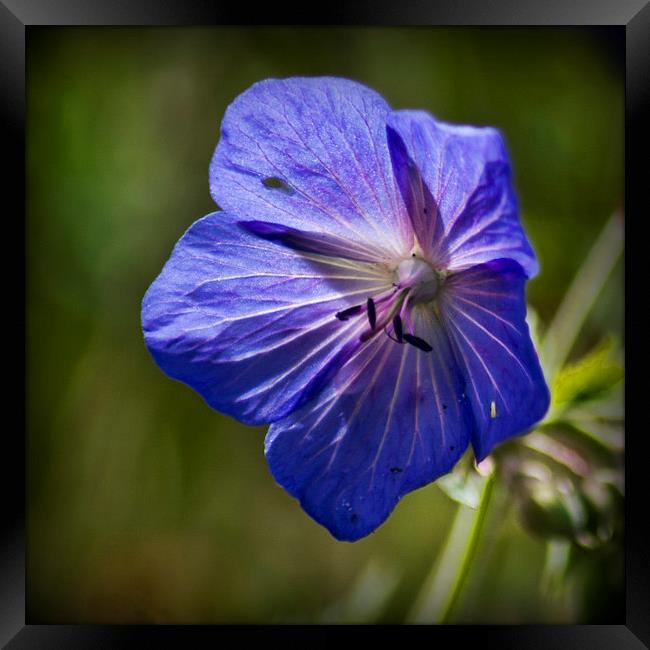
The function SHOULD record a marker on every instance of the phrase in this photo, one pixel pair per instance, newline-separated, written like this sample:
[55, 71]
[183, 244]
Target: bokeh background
[146, 506]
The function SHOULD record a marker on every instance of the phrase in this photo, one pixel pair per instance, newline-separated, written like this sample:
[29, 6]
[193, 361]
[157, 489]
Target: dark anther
[451, 447]
[396, 470]
[397, 326]
[444, 407]
[353, 517]
[346, 313]
[417, 342]
[372, 313]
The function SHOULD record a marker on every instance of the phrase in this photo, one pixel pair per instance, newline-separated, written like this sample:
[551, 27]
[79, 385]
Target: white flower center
[420, 277]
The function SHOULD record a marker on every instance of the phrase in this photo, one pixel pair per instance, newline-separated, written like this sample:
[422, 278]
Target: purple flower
[362, 290]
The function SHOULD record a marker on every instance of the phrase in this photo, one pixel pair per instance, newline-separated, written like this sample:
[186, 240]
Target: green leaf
[588, 378]
[581, 296]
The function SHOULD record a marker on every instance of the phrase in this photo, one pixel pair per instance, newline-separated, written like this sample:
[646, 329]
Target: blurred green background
[143, 504]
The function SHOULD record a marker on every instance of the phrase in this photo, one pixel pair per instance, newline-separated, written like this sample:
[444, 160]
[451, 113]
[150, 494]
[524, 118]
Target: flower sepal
[464, 484]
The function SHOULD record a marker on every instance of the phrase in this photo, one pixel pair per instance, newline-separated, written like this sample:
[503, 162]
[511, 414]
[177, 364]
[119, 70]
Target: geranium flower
[362, 290]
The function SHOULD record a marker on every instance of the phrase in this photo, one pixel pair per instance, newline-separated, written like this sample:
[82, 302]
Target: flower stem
[442, 589]
[581, 295]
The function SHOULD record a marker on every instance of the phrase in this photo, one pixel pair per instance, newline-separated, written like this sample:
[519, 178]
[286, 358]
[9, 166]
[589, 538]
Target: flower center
[416, 281]
[419, 277]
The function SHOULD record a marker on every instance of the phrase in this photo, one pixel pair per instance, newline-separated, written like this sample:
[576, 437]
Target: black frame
[632, 16]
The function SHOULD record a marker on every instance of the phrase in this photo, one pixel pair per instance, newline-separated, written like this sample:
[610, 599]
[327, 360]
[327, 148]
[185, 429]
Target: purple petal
[247, 322]
[309, 242]
[393, 420]
[422, 209]
[484, 311]
[311, 154]
[467, 171]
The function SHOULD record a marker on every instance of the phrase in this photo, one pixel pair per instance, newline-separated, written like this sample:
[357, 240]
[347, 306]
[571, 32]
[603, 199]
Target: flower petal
[393, 420]
[484, 310]
[248, 322]
[311, 153]
[309, 242]
[467, 171]
[421, 207]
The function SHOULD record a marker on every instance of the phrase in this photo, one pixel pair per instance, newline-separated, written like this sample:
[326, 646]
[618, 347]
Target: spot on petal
[275, 183]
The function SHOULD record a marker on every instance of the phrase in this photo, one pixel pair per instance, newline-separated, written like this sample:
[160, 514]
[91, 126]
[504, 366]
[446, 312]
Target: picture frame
[633, 17]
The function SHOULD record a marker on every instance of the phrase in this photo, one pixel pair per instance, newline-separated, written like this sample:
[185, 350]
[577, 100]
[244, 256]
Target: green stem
[442, 589]
[581, 295]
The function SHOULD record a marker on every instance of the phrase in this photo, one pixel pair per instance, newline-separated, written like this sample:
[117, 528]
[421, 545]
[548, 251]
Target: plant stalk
[442, 589]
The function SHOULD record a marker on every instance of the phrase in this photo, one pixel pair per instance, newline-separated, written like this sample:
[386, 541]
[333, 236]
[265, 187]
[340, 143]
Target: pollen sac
[417, 342]
[372, 313]
[350, 311]
[397, 327]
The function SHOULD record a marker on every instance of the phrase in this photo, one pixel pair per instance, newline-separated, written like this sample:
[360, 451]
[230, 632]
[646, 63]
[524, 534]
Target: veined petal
[394, 419]
[248, 322]
[484, 309]
[311, 154]
[467, 170]
[309, 242]
[421, 207]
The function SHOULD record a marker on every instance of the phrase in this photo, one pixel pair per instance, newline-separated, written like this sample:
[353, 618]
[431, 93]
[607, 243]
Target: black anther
[372, 313]
[350, 311]
[397, 326]
[417, 342]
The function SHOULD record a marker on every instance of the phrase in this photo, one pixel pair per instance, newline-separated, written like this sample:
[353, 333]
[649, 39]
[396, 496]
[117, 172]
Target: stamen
[380, 319]
[346, 313]
[372, 313]
[397, 327]
[390, 336]
[417, 342]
